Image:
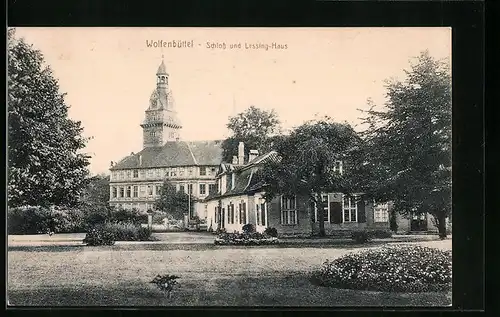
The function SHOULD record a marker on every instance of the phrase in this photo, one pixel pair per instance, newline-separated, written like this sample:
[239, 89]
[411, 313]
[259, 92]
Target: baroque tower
[160, 123]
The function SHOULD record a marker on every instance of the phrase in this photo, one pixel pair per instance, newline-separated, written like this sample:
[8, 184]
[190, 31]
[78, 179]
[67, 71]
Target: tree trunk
[320, 210]
[441, 222]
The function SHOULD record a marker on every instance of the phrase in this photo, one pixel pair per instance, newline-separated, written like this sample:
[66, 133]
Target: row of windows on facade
[155, 190]
[289, 211]
[161, 172]
[171, 135]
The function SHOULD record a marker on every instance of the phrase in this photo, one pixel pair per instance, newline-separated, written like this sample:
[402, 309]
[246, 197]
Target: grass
[210, 276]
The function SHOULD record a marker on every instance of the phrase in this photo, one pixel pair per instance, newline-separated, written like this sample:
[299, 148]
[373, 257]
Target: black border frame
[467, 21]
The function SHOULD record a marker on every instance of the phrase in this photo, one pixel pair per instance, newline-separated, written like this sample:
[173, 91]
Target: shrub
[36, 219]
[272, 232]
[380, 234]
[220, 230]
[393, 269]
[360, 236]
[117, 231]
[98, 235]
[248, 228]
[254, 238]
[128, 215]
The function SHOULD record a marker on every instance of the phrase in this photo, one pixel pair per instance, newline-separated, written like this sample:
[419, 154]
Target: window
[150, 173]
[212, 170]
[212, 188]
[243, 212]
[350, 209]
[158, 190]
[136, 191]
[288, 210]
[129, 190]
[158, 173]
[143, 191]
[122, 191]
[129, 174]
[261, 211]
[150, 190]
[142, 173]
[326, 209]
[202, 189]
[173, 172]
[381, 212]
[203, 171]
[190, 189]
[136, 173]
[122, 174]
[230, 213]
[115, 192]
[181, 189]
[190, 171]
[153, 133]
[338, 167]
[181, 171]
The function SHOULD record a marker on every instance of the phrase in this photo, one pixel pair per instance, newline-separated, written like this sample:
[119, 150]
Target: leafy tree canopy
[255, 127]
[309, 161]
[45, 166]
[408, 144]
[173, 202]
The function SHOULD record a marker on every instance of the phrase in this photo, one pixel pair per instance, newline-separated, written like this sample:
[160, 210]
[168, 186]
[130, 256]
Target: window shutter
[361, 211]
[335, 212]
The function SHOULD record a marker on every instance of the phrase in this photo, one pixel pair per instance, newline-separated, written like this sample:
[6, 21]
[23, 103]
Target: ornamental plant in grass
[254, 238]
[408, 269]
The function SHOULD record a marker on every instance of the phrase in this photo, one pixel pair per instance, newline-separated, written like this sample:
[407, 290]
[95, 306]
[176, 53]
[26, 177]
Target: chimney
[131, 153]
[253, 155]
[235, 160]
[241, 153]
[140, 160]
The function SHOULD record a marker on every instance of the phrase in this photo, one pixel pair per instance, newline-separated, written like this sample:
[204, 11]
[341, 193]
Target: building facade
[136, 180]
[240, 200]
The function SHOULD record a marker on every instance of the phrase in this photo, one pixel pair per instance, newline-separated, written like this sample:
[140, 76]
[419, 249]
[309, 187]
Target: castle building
[136, 180]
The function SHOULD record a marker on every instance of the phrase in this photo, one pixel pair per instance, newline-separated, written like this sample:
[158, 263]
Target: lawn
[77, 275]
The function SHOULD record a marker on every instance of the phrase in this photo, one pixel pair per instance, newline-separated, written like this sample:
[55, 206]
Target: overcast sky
[109, 75]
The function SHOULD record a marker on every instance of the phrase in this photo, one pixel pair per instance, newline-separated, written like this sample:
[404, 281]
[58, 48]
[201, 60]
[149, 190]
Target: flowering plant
[394, 269]
[254, 238]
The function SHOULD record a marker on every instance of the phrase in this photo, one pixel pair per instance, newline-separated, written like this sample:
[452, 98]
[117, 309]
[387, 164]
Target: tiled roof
[246, 179]
[175, 153]
[162, 69]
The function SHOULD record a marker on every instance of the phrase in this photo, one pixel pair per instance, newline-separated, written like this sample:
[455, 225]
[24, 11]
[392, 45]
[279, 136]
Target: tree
[95, 197]
[173, 202]
[308, 163]
[255, 127]
[45, 166]
[409, 142]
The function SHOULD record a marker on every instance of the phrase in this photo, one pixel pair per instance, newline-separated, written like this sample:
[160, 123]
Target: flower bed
[254, 238]
[393, 269]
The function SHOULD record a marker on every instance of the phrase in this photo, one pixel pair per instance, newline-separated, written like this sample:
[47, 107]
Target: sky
[110, 73]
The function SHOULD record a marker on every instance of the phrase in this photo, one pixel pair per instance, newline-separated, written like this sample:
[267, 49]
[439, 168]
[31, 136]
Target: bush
[220, 231]
[128, 215]
[272, 232]
[117, 231]
[392, 269]
[98, 235]
[360, 237]
[36, 219]
[248, 228]
[380, 234]
[254, 238]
